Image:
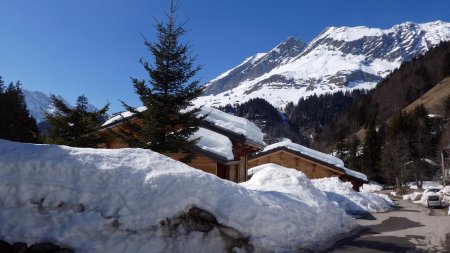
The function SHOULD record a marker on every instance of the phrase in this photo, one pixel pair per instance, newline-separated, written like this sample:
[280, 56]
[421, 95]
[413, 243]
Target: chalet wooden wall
[235, 172]
[311, 169]
[199, 162]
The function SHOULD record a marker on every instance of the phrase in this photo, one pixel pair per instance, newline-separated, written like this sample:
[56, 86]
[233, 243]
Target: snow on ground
[278, 181]
[371, 187]
[350, 200]
[415, 196]
[98, 200]
[426, 185]
[444, 194]
[420, 197]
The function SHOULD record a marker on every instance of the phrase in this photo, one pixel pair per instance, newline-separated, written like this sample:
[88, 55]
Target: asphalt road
[408, 228]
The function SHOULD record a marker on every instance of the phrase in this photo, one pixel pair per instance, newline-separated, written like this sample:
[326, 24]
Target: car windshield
[433, 198]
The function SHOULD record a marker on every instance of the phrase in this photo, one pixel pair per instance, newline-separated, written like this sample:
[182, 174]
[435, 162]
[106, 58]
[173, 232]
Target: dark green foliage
[167, 123]
[410, 147]
[371, 154]
[76, 126]
[271, 121]
[315, 112]
[16, 124]
[423, 140]
[404, 85]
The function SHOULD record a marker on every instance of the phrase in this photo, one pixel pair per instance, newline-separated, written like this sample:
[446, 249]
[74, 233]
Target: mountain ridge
[339, 58]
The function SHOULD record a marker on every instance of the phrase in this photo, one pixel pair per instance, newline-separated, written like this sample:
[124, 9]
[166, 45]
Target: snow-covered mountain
[340, 58]
[38, 103]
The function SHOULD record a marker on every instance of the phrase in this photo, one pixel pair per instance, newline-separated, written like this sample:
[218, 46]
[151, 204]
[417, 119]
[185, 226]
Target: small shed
[225, 141]
[313, 163]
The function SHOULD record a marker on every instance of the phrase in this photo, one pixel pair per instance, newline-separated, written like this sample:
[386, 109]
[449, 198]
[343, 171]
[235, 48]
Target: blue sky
[92, 47]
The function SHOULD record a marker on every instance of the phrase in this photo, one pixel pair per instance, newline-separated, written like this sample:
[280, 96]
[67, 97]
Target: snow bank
[444, 195]
[316, 155]
[425, 185]
[98, 200]
[350, 200]
[371, 187]
[415, 196]
[318, 215]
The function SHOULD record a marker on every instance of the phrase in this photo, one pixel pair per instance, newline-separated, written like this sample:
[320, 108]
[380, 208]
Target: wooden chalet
[311, 162]
[223, 148]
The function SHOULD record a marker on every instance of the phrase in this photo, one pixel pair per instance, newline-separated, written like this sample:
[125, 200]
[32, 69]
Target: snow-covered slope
[340, 58]
[39, 102]
[136, 200]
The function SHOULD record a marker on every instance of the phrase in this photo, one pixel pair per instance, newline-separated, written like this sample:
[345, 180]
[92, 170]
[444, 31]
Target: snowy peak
[338, 59]
[255, 66]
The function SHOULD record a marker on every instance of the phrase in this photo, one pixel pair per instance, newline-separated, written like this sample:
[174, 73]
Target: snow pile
[316, 155]
[214, 143]
[371, 187]
[425, 185]
[415, 196]
[318, 214]
[444, 194]
[124, 200]
[350, 200]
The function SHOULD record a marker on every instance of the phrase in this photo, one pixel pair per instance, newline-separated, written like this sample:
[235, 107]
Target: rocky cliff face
[339, 58]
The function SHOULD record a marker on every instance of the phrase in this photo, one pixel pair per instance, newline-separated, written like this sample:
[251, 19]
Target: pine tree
[16, 124]
[75, 126]
[168, 122]
[422, 144]
[373, 142]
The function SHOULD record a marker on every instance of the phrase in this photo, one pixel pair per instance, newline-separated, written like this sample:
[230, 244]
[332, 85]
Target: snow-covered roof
[237, 125]
[114, 200]
[326, 158]
[123, 115]
[214, 142]
[215, 117]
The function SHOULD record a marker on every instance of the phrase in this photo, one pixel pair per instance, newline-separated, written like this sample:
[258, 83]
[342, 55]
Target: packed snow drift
[350, 200]
[371, 187]
[135, 200]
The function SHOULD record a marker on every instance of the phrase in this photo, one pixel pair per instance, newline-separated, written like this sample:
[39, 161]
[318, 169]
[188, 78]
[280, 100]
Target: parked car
[433, 201]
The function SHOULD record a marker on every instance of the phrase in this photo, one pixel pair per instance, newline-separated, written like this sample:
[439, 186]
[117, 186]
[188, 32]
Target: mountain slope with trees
[403, 86]
[377, 136]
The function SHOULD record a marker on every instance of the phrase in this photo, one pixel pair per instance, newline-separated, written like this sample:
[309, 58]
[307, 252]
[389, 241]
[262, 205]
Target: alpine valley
[338, 59]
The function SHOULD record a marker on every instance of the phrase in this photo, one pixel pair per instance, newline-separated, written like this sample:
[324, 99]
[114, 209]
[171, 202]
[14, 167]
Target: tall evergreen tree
[75, 126]
[422, 144]
[168, 122]
[16, 124]
[396, 153]
[371, 156]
